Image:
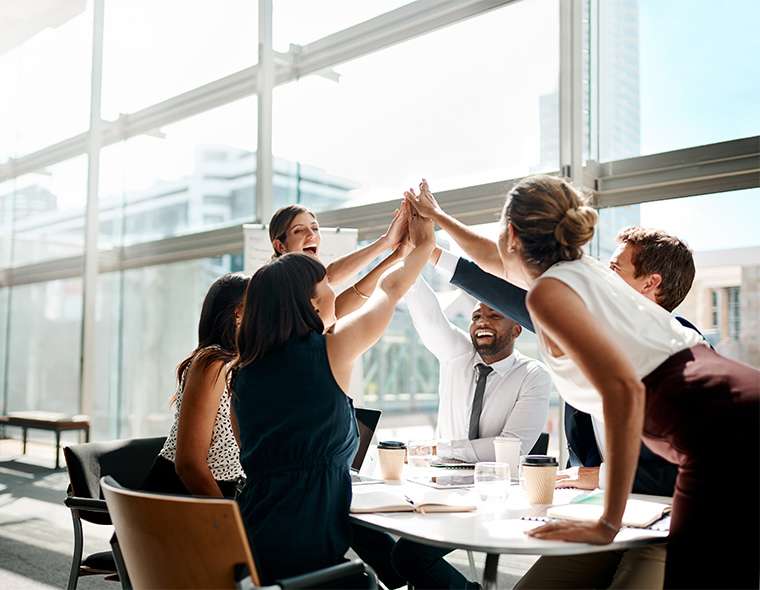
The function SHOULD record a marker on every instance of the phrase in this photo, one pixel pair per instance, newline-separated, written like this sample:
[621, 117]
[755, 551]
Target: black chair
[130, 461]
[542, 445]
[171, 541]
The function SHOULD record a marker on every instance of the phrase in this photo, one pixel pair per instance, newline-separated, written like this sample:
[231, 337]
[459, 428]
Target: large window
[188, 176]
[463, 105]
[45, 76]
[675, 74]
[155, 50]
[47, 212]
[44, 334]
[367, 97]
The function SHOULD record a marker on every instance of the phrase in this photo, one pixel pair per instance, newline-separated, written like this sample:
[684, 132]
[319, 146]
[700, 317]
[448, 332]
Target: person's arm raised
[204, 387]
[343, 268]
[479, 248]
[356, 333]
[560, 314]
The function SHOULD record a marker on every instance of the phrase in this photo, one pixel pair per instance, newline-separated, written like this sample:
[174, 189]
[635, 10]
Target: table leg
[491, 572]
[57, 448]
[87, 435]
[23, 441]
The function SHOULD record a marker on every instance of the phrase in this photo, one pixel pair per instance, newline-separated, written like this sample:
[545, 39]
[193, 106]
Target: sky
[459, 106]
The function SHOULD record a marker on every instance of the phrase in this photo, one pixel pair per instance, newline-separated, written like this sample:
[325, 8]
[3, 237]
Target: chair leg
[121, 567]
[76, 559]
[473, 569]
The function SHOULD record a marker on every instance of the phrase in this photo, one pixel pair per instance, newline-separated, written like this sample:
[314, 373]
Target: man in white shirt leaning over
[487, 389]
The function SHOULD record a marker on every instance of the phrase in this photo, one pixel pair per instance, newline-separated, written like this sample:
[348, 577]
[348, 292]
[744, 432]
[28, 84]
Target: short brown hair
[551, 219]
[654, 251]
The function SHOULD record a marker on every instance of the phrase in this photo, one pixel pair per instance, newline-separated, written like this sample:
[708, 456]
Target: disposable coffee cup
[538, 475]
[507, 450]
[391, 455]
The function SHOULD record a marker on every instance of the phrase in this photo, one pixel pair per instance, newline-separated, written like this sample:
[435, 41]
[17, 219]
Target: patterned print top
[223, 454]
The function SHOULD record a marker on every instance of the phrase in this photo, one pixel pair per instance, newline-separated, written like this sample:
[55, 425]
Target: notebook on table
[378, 501]
[589, 507]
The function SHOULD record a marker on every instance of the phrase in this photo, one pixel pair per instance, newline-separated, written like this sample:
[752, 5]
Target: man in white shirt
[487, 389]
[514, 390]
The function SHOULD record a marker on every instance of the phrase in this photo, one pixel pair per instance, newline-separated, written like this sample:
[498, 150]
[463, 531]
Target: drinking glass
[492, 482]
[420, 453]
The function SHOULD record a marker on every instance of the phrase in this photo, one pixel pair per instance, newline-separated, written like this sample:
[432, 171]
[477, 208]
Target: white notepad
[638, 513]
[385, 501]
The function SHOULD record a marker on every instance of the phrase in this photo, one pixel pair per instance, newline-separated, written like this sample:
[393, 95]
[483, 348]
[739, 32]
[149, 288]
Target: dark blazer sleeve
[654, 475]
[496, 293]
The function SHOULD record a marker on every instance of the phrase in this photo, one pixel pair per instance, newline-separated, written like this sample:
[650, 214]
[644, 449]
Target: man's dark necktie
[477, 402]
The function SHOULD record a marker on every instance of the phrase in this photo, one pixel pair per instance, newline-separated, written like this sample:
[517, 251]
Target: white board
[258, 250]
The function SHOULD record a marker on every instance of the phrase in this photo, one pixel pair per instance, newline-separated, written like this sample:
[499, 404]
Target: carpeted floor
[36, 539]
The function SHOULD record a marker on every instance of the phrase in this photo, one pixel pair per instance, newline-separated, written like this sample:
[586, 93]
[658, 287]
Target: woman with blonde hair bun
[625, 360]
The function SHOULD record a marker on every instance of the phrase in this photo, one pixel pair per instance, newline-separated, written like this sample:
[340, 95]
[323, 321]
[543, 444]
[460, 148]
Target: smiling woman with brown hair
[295, 228]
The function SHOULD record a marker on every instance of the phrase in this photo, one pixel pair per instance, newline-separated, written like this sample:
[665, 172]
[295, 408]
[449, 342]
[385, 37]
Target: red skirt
[703, 414]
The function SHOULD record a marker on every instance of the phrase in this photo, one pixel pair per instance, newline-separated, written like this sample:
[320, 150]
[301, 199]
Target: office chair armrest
[89, 504]
[329, 574]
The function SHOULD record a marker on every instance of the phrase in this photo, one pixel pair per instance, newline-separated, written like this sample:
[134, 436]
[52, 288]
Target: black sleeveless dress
[298, 436]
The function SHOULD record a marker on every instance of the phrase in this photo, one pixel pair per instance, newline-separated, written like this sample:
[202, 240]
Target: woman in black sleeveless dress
[296, 425]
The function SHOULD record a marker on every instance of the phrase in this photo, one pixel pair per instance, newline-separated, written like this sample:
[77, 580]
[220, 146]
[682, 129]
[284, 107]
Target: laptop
[367, 420]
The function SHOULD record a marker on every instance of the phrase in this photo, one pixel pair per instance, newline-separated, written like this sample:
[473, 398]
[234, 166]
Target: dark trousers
[374, 548]
[703, 414]
[424, 566]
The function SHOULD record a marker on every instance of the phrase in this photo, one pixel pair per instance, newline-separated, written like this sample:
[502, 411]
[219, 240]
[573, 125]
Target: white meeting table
[488, 531]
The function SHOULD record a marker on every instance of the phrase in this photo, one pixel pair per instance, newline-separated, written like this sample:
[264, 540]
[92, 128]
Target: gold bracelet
[359, 293]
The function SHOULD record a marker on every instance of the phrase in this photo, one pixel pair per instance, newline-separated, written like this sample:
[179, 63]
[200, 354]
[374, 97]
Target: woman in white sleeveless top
[621, 357]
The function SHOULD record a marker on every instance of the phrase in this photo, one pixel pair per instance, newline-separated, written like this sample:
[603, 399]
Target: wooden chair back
[177, 541]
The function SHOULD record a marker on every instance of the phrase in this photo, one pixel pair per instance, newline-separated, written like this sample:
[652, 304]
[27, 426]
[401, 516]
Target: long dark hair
[280, 223]
[216, 328]
[278, 307]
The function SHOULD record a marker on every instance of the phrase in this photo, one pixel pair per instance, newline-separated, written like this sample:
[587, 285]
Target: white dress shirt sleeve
[439, 336]
[528, 417]
[447, 264]
[526, 420]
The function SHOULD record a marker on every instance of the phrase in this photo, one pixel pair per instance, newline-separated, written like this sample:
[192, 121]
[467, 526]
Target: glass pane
[676, 74]
[44, 346]
[299, 22]
[460, 106]
[45, 78]
[162, 306]
[155, 50]
[192, 175]
[724, 301]
[48, 212]
[4, 316]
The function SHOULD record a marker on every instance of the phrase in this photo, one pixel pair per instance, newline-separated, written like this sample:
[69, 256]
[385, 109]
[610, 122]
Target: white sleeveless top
[223, 454]
[648, 333]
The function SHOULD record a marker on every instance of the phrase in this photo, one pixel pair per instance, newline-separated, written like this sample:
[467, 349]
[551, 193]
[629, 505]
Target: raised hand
[399, 227]
[425, 203]
[421, 229]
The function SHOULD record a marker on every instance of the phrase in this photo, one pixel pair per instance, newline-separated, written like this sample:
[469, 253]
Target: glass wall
[44, 332]
[45, 59]
[459, 99]
[155, 50]
[460, 106]
[675, 74]
[46, 212]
